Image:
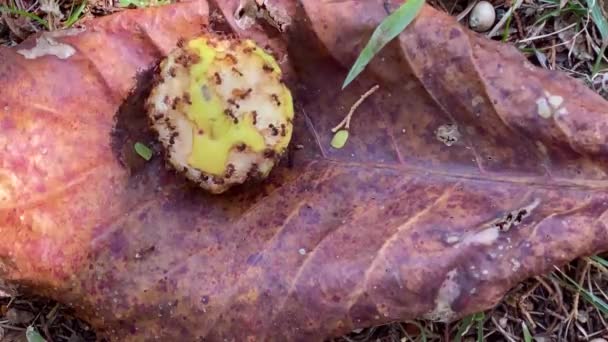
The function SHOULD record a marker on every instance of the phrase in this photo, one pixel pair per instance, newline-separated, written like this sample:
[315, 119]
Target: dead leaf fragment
[46, 45]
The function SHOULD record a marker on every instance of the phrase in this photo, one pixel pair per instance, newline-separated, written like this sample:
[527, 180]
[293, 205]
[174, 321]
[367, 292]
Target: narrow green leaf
[505, 33]
[390, 27]
[600, 260]
[598, 18]
[74, 16]
[527, 335]
[480, 330]
[464, 327]
[32, 335]
[421, 328]
[143, 151]
[588, 296]
[339, 139]
[25, 14]
[598, 60]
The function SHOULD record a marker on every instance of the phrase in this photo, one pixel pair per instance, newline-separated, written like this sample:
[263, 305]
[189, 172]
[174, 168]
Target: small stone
[302, 251]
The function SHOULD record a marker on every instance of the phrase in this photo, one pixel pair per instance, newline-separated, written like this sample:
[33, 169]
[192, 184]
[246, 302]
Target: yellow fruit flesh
[220, 134]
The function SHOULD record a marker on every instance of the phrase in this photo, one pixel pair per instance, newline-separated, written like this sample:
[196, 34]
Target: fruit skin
[221, 111]
[482, 16]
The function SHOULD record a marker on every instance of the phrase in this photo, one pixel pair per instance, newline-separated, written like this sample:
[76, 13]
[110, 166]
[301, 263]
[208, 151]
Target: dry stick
[466, 10]
[577, 34]
[553, 54]
[502, 331]
[521, 306]
[520, 27]
[577, 294]
[346, 121]
[504, 19]
[548, 34]
[545, 285]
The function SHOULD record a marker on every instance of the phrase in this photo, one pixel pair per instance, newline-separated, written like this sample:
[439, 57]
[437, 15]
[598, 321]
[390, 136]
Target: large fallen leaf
[466, 172]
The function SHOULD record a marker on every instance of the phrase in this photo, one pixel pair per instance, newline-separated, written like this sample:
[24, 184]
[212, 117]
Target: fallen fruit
[221, 111]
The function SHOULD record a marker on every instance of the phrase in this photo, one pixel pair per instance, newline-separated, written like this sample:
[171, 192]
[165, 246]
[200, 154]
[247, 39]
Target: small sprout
[144, 151]
[345, 123]
[339, 139]
[482, 16]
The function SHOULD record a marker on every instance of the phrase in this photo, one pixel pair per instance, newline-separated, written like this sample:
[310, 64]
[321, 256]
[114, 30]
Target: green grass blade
[390, 27]
[600, 260]
[598, 18]
[33, 336]
[505, 33]
[25, 14]
[527, 335]
[464, 327]
[76, 14]
[588, 296]
[598, 64]
[480, 318]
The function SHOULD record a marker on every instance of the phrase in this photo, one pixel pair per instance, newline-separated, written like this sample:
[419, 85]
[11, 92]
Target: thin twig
[502, 331]
[548, 34]
[466, 11]
[521, 305]
[504, 19]
[346, 121]
[577, 294]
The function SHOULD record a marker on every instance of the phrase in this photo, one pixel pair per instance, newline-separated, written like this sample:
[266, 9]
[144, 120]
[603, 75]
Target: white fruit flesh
[221, 111]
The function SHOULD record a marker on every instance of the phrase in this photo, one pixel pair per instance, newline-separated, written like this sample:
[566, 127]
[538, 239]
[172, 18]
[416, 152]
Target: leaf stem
[346, 121]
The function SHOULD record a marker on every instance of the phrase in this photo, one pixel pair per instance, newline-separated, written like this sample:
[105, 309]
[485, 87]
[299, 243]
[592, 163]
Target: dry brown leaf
[395, 225]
